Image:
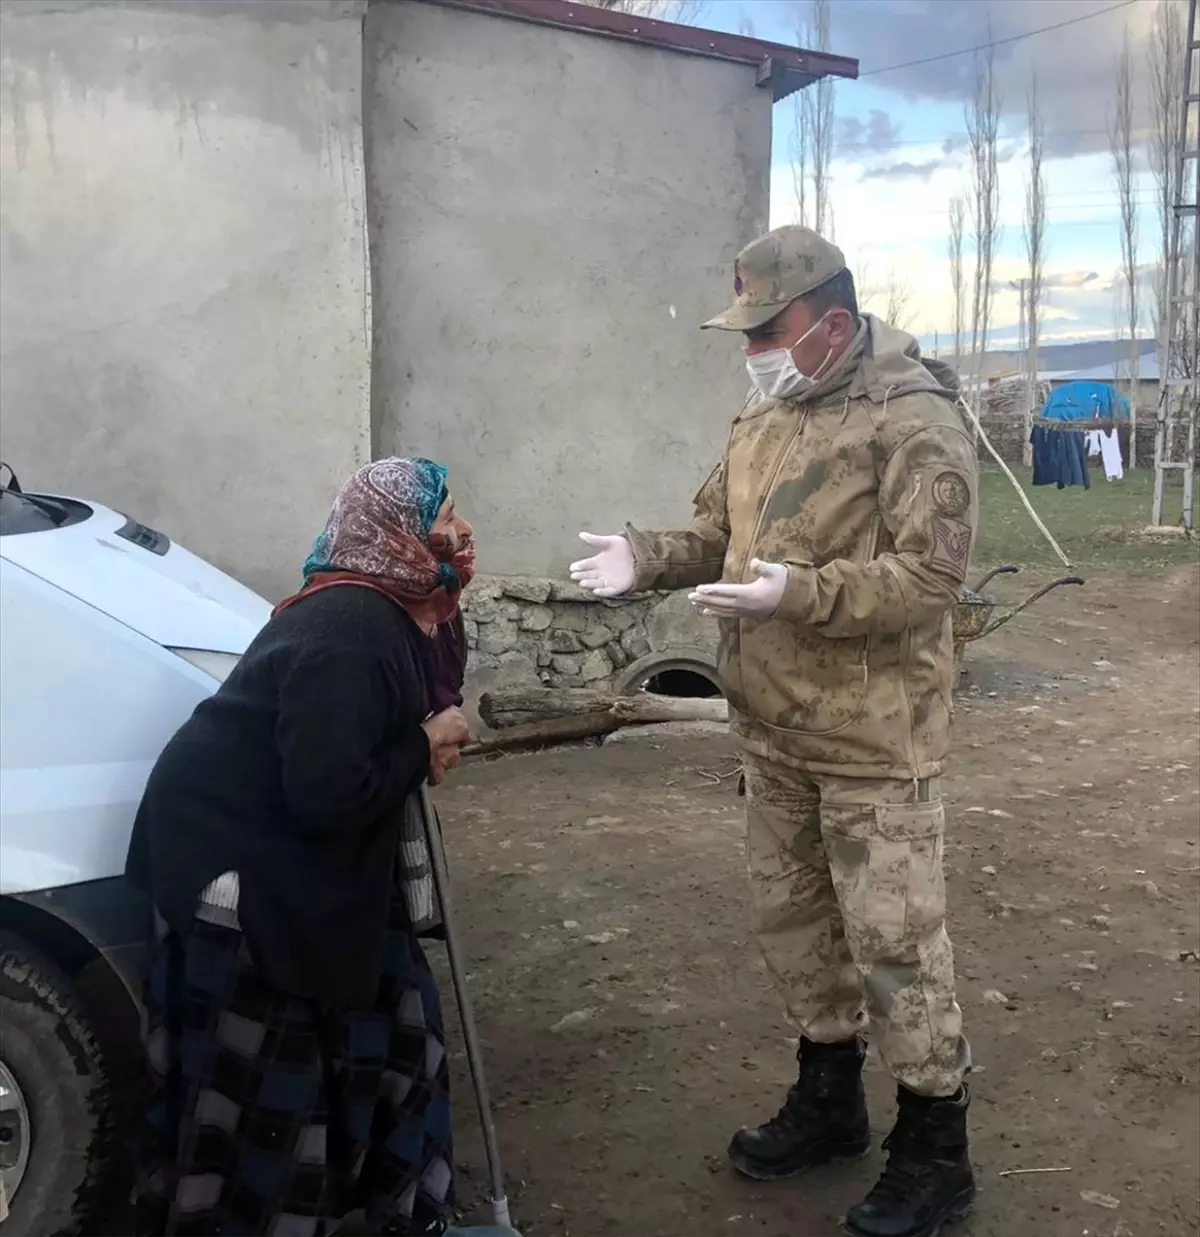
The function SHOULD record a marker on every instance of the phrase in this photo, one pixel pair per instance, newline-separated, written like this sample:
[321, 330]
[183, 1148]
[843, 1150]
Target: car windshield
[38, 513]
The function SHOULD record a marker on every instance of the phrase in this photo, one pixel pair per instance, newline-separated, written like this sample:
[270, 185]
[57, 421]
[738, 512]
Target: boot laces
[804, 1103]
[796, 1112]
[905, 1171]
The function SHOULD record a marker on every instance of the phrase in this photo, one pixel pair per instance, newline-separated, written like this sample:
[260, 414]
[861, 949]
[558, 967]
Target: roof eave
[782, 69]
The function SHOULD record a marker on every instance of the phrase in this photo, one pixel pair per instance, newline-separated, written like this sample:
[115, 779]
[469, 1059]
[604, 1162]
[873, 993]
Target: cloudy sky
[900, 152]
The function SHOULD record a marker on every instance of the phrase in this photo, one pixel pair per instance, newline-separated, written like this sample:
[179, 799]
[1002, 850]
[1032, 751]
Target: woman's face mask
[452, 543]
[776, 375]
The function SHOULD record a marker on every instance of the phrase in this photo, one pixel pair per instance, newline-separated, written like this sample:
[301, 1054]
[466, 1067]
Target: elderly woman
[293, 1029]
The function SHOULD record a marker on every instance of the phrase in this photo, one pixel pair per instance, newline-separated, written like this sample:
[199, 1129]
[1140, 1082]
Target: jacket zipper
[905, 663]
[767, 492]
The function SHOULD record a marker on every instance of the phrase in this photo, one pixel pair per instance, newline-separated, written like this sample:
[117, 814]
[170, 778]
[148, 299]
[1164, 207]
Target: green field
[1097, 528]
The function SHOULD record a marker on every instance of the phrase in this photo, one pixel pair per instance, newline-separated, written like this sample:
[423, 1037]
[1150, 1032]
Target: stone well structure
[526, 630]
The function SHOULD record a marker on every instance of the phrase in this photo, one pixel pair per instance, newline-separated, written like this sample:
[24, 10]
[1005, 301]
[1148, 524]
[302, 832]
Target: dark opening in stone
[682, 684]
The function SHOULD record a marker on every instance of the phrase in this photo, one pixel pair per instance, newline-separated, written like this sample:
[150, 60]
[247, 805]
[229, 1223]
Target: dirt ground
[630, 1027]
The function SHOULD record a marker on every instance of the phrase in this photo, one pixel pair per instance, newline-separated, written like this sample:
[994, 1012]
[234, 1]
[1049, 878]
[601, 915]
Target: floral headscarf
[380, 535]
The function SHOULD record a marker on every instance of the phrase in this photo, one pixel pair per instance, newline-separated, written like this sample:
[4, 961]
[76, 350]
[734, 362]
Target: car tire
[50, 1047]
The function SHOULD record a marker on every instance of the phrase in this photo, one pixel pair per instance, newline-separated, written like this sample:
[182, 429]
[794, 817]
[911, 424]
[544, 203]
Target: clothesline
[1004, 468]
[1081, 427]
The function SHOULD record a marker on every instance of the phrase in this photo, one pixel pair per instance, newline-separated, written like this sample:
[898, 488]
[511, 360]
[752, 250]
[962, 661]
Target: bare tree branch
[1166, 55]
[685, 12]
[983, 128]
[819, 100]
[1121, 144]
[801, 145]
[865, 289]
[893, 298]
[1035, 250]
[812, 131]
[958, 214]
[900, 310]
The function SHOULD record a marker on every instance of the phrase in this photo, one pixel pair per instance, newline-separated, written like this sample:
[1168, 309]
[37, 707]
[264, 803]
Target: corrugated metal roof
[784, 69]
[1115, 371]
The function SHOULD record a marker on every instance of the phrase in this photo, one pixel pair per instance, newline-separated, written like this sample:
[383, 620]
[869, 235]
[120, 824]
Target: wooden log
[543, 734]
[503, 710]
[541, 717]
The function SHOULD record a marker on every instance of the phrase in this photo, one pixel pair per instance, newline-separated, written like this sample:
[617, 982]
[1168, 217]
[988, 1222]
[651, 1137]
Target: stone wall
[522, 630]
[551, 631]
[1147, 430]
[1006, 432]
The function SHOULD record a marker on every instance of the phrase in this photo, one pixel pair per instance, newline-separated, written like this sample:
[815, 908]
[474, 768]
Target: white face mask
[775, 374]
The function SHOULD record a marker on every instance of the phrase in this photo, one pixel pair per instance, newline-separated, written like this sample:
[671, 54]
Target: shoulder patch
[951, 546]
[951, 495]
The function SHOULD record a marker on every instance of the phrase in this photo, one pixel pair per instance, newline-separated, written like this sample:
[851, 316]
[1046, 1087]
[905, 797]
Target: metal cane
[441, 883]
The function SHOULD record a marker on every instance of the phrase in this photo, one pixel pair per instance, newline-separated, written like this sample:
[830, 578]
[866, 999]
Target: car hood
[175, 598]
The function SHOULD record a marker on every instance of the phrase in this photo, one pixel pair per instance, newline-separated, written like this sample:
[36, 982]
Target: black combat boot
[824, 1117]
[928, 1179]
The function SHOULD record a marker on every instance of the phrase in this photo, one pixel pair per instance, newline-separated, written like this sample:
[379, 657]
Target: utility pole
[1179, 381]
[1018, 285]
[1030, 378]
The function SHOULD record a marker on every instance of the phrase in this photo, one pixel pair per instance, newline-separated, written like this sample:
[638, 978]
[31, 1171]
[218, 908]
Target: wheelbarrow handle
[1009, 569]
[1013, 611]
[1052, 585]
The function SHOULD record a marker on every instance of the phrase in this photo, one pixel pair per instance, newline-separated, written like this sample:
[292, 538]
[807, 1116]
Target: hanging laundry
[1093, 442]
[1059, 458]
[1043, 456]
[1110, 455]
[1076, 450]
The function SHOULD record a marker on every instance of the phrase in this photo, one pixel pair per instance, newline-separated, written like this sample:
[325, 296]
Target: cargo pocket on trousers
[887, 868]
[906, 868]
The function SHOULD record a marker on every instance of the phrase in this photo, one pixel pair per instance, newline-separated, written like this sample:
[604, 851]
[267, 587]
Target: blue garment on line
[1059, 457]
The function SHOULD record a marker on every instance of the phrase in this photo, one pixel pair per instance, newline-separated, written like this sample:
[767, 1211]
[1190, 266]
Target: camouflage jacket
[867, 488]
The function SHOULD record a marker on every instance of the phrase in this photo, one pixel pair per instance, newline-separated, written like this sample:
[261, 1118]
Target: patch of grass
[1098, 529]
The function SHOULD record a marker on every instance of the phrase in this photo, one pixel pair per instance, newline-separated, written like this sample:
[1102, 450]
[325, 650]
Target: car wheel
[57, 1129]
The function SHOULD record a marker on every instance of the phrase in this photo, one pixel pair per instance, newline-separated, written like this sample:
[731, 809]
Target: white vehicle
[110, 635]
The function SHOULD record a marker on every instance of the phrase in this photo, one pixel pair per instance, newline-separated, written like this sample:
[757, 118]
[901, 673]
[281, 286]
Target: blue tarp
[1086, 401]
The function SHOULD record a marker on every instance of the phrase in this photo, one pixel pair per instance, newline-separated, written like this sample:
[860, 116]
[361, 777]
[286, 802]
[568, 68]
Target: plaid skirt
[277, 1116]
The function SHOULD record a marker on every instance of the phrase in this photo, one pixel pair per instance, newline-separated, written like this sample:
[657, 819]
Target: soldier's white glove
[756, 600]
[610, 571]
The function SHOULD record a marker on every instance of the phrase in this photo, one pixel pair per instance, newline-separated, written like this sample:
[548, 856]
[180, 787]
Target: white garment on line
[1092, 438]
[1110, 455]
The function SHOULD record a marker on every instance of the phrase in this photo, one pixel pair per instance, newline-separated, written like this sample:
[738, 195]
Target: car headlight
[218, 665]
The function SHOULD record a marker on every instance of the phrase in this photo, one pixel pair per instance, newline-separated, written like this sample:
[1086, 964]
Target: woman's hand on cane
[447, 732]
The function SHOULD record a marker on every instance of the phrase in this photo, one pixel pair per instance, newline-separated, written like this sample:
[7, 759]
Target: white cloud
[900, 224]
[891, 189]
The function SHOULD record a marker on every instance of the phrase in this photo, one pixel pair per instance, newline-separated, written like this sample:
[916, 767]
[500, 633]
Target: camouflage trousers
[850, 906]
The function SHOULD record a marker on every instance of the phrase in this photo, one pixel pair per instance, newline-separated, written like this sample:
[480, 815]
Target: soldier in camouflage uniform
[832, 541]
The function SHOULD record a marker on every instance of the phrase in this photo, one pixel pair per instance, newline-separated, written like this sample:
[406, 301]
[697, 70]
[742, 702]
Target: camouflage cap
[771, 272]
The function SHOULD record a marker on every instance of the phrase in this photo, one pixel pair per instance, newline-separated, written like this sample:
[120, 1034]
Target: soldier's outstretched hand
[610, 571]
[758, 599]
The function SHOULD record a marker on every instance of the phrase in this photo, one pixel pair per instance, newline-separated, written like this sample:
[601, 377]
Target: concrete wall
[552, 214]
[184, 311]
[185, 291]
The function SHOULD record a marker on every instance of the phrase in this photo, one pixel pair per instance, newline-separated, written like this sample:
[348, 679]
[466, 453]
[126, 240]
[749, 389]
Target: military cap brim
[744, 317]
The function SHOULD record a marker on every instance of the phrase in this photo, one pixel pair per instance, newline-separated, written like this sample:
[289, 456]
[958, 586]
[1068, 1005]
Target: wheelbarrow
[977, 615]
